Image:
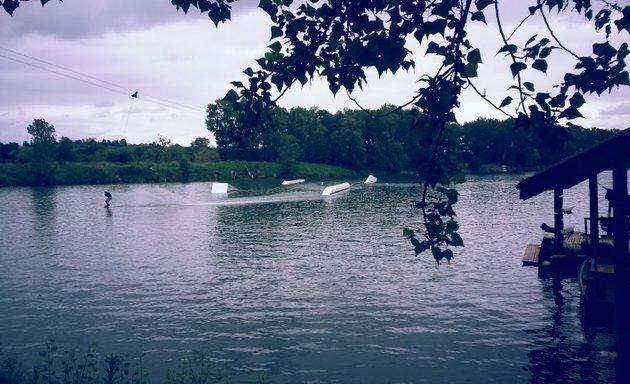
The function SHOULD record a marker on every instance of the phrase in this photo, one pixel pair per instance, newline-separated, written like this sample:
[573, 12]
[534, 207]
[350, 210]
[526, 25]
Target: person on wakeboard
[108, 198]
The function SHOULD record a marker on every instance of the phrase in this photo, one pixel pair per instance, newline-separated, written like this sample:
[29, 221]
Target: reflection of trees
[569, 347]
[44, 206]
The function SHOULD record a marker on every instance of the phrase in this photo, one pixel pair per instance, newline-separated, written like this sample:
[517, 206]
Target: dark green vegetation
[48, 161]
[390, 143]
[68, 367]
[301, 143]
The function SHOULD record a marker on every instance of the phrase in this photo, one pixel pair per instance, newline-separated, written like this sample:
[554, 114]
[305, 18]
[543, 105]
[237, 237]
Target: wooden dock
[531, 254]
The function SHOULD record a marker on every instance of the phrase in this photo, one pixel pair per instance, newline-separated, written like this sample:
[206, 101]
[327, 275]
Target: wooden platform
[531, 254]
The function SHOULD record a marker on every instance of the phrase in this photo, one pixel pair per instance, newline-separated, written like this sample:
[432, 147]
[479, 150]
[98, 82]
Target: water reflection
[567, 347]
[44, 205]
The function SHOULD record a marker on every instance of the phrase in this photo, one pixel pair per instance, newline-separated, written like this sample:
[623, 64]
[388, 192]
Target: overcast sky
[76, 63]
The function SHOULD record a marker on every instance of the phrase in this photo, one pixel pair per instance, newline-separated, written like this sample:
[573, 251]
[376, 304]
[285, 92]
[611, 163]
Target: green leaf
[479, 16]
[517, 67]
[604, 50]
[437, 254]
[448, 255]
[434, 48]
[531, 40]
[545, 52]
[540, 65]
[622, 78]
[456, 240]
[510, 48]
[622, 52]
[470, 70]
[570, 113]
[421, 247]
[558, 101]
[474, 56]
[481, 4]
[577, 100]
[276, 46]
[408, 233]
[334, 87]
[276, 31]
[184, 5]
[231, 96]
[505, 102]
[624, 22]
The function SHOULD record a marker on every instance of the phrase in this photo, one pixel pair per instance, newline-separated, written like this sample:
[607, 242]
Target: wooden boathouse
[611, 154]
[606, 268]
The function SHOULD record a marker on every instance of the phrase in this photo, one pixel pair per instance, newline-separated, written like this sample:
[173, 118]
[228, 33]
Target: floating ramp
[289, 182]
[219, 188]
[370, 180]
[335, 188]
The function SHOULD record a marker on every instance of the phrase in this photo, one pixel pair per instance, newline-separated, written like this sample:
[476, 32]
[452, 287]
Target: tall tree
[43, 147]
[198, 145]
[42, 133]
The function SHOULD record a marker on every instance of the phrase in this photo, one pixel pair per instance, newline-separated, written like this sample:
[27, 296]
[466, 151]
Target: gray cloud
[621, 109]
[79, 19]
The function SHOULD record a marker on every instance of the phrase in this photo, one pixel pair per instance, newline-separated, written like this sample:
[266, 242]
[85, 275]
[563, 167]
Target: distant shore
[95, 173]
[80, 173]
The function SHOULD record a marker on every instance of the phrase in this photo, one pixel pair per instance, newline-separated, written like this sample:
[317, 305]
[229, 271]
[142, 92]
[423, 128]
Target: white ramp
[219, 188]
[370, 180]
[289, 182]
[335, 188]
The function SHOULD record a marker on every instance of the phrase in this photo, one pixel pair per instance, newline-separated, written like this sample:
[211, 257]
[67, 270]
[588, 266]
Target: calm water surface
[282, 283]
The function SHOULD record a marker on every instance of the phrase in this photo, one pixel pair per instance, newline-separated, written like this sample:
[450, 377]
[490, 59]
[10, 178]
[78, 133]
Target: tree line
[44, 146]
[374, 140]
[389, 140]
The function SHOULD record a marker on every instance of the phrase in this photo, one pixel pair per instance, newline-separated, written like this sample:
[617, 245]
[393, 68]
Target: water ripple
[285, 284]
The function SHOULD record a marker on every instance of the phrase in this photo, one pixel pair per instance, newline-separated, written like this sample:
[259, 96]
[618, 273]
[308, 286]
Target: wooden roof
[579, 167]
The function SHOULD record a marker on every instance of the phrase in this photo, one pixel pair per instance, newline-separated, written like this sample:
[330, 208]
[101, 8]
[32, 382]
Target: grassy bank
[74, 173]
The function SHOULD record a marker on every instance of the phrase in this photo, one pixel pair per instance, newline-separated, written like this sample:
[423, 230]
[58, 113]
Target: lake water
[284, 284]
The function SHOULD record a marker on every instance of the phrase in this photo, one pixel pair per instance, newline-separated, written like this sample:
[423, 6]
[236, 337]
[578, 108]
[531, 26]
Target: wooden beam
[579, 167]
[594, 214]
[622, 260]
[558, 223]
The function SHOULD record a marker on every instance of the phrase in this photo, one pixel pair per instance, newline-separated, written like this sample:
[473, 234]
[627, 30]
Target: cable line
[88, 80]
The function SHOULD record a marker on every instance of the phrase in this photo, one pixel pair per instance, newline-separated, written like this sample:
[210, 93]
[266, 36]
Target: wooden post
[622, 261]
[594, 214]
[557, 221]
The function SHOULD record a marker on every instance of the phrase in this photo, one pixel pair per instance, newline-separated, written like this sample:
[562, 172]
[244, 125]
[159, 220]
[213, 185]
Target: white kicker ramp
[370, 180]
[219, 188]
[335, 188]
[289, 182]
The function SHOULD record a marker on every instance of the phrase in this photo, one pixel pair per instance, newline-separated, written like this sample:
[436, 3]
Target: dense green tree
[288, 154]
[65, 150]
[42, 133]
[305, 126]
[9, 152]
[489, 140]
[42, 151]
[198, 146]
